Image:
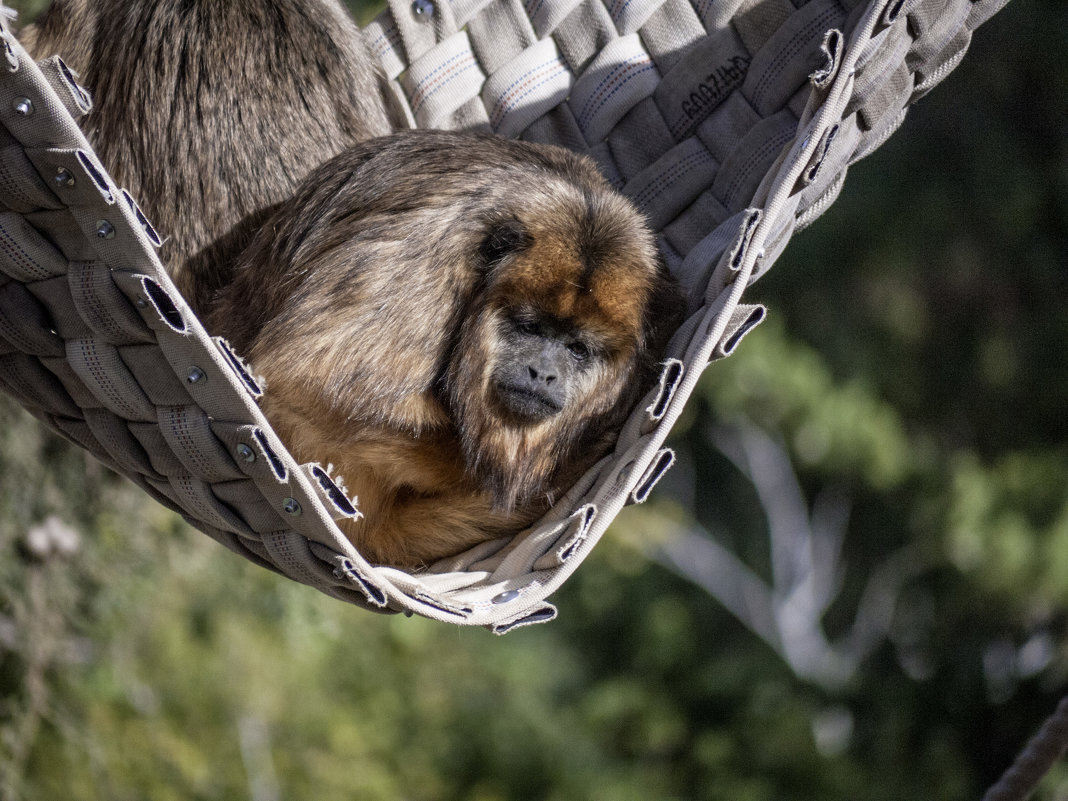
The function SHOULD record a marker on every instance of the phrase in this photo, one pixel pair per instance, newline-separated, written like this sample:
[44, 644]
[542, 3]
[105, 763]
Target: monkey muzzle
[531, 390]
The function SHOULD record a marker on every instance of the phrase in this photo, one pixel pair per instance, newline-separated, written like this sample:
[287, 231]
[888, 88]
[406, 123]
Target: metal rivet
[505, 597]
[140, 302]
[246, 453]
[291, 506]
[423, 9]
[195, 374]
[105, 230]
[63, 177]
[23, 106]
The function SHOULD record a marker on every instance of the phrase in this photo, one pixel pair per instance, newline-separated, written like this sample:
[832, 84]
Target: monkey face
[545, 360]
[559, 341]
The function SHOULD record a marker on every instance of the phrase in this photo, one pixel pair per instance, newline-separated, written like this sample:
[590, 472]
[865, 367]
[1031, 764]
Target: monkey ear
[504, 239]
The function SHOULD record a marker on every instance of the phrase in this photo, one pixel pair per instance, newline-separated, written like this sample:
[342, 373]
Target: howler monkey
[457, 322]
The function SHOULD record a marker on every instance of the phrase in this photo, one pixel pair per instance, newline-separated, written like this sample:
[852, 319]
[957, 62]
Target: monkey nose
[530, 392]
[540, 376]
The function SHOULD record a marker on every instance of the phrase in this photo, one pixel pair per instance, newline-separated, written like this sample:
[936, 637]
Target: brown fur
[374, 280]
[380, 301]
[212, 111]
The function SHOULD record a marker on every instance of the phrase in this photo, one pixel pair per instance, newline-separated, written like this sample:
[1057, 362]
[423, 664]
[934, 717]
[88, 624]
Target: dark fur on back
[212, 111]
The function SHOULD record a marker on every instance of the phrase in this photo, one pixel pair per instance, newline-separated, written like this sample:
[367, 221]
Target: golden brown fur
[383, 279]
[457, 323]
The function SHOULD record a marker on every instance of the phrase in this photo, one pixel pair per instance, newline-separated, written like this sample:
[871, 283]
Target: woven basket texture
[730, 123]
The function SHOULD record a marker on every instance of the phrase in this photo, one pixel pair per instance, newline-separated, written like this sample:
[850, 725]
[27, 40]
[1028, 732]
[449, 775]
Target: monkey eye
[579, 351]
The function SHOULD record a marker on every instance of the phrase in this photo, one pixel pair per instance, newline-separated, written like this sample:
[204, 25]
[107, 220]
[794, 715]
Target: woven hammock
[730, 123]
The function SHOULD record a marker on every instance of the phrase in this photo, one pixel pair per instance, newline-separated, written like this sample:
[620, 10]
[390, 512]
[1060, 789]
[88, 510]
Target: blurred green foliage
[913, 363]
